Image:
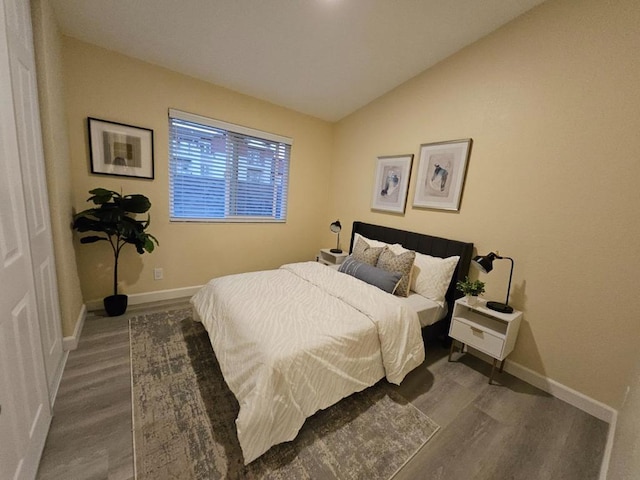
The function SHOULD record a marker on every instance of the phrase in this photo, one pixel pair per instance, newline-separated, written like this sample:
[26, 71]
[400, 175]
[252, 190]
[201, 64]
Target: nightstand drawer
[481, 339]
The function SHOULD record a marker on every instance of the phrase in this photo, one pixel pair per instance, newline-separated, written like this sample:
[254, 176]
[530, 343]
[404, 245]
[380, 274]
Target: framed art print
[391, 183]
[441, 174]
[119, 149]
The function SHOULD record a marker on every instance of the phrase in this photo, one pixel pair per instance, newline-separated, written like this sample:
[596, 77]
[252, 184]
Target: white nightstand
[486, 330]
[329, 258]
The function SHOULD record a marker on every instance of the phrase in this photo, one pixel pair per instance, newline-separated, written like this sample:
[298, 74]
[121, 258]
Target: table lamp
[484, 263]
[335, 228]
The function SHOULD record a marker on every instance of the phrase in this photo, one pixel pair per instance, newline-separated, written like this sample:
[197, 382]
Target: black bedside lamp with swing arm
[335, 228]
[484, 263]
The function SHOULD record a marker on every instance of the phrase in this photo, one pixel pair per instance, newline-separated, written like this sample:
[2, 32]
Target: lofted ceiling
[325, 58]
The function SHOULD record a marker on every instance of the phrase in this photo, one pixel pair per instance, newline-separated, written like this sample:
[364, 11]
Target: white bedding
[429, 312]
[298, 339]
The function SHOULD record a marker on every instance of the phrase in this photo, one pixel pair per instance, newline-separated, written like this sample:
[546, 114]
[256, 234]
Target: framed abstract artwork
[441, 174]
[120, 149]
[391, 183]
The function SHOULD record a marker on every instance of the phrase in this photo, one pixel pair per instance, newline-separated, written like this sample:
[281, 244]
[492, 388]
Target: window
[224, 172]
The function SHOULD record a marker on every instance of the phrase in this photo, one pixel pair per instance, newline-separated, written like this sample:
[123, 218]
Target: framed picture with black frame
[441, 174]
[120, 149]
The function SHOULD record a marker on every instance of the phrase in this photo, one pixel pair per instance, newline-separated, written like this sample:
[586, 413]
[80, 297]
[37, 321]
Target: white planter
[472, 300]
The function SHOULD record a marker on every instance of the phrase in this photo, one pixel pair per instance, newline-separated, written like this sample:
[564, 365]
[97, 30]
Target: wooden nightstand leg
[502, 365]
[453, 343]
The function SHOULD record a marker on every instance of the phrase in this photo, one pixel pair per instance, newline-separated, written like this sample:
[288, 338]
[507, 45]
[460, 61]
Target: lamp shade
[484, 263]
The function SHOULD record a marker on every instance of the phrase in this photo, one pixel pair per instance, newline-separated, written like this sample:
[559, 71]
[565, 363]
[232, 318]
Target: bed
[298, 339]
[437, 325]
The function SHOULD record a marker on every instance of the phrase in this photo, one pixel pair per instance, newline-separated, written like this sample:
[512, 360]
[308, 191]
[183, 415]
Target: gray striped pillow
[387, 281]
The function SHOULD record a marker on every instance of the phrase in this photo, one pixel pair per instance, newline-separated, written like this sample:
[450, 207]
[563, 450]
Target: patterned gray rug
[184, 418]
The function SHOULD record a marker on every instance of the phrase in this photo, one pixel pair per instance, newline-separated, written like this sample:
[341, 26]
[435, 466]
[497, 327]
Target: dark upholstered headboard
[427, 244]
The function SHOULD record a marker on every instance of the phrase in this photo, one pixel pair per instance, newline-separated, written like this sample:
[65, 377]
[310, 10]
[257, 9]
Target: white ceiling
[325, 58]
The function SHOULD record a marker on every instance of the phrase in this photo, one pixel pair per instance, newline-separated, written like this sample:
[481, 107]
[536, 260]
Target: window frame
[230, 168]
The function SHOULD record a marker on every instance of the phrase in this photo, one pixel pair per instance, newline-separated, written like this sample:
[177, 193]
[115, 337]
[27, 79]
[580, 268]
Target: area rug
[184, 418]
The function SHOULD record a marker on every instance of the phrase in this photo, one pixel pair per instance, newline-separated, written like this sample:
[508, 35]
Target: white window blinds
[224, 172]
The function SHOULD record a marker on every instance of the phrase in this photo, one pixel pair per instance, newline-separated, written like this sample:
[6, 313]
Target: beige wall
[551, 101]
[114, 87]
[47, 41]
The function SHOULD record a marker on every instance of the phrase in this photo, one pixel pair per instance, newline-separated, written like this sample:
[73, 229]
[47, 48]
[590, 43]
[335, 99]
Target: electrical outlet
[158, 273]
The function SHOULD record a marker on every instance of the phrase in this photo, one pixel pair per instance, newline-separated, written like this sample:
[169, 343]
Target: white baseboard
[572, 397]
[71, 343]
[55, 384]
[140, 298]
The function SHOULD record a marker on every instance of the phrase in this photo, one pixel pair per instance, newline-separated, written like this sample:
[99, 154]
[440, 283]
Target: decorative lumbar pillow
[402, 264]
[432, 276]
[364, 253]
[387, 281]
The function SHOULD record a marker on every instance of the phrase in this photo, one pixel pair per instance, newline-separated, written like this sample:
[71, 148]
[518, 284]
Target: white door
[25, 97]
[25, 413]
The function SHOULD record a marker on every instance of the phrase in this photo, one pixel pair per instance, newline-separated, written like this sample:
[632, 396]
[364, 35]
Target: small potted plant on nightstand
[471, 288]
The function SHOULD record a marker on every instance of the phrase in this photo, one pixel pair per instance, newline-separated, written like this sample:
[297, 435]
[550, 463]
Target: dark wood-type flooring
[509, 430]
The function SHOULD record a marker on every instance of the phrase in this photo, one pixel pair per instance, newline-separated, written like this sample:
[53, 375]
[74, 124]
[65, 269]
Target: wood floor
[510, 430]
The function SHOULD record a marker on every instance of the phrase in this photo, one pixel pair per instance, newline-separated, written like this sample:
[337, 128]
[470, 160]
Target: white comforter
[298, 339]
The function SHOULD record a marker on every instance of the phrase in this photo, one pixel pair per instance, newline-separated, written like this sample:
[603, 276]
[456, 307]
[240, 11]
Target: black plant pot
[115, 304]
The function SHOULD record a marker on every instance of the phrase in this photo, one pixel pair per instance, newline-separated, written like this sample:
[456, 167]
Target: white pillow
[398, 249]
[371, 243]
[432, 276]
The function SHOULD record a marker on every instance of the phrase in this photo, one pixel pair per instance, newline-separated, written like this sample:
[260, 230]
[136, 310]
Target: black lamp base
[335, 250]
[499, 307]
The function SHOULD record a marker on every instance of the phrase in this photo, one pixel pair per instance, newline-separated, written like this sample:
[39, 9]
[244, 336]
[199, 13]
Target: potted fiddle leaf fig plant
[113, 218]
[471, 288]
